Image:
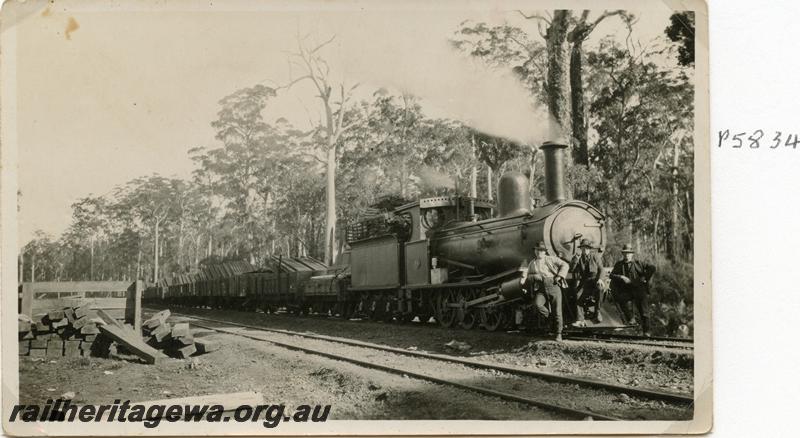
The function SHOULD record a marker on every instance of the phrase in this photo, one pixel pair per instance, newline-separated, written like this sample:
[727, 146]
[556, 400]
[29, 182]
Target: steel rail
[623, 336]
[393, 370]
[630, 342]
[553, 377]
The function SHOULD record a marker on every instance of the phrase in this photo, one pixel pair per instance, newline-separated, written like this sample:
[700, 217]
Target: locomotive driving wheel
[446, 312]
[468, 317]
[492, 318]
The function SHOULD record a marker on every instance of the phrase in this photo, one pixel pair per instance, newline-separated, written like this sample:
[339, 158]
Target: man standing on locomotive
[630, 280]
[545, 276]
[588, 270]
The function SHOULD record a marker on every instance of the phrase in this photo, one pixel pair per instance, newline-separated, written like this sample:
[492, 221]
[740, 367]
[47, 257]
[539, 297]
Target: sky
[108, 96]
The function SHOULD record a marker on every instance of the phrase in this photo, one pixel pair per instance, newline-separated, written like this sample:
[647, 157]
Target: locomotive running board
[465, 284]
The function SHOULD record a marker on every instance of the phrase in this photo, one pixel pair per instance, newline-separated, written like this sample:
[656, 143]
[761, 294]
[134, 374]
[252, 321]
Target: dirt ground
[666, 369]
[294, 378]
[282, 376]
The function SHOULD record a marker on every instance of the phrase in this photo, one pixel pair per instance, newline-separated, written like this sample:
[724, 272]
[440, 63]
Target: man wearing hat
[631, 279]
[587, 268]
[545, 276]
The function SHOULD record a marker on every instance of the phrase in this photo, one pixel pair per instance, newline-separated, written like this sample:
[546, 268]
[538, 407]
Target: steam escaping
[431, 179]
[417, 58]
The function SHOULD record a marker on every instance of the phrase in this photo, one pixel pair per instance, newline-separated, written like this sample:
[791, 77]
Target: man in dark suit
[630, 280]
[587, 268]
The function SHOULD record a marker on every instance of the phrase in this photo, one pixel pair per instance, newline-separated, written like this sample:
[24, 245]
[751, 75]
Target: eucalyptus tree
[549, 58]
[334, 98]
[644, 122]
[150, 201]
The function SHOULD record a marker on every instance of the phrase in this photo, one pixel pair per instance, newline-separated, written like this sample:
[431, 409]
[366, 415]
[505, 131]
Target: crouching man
[545, 278]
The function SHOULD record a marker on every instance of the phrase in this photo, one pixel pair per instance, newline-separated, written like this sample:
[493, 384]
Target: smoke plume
[416, 58]
[432, 179]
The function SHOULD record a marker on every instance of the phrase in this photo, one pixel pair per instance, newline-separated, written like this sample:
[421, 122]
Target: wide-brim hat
[540, 247]
[586, 243]
[627, 248]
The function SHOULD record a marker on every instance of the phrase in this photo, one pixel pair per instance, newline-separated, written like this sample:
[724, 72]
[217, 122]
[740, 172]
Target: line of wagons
[295, 284]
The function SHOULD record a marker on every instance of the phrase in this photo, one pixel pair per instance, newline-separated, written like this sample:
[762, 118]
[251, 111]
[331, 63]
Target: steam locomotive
[457, 259]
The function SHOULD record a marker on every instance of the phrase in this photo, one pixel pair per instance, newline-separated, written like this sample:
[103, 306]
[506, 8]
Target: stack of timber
[70, 332]
[176, 340]
[79, 331]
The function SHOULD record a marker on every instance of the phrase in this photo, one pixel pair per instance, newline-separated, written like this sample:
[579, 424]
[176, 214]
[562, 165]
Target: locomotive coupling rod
[482, 299]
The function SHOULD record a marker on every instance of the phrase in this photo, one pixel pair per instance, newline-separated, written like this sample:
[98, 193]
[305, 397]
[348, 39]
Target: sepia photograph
[339, 217]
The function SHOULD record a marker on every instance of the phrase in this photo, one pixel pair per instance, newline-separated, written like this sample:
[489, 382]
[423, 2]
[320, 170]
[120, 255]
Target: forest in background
[267, 187]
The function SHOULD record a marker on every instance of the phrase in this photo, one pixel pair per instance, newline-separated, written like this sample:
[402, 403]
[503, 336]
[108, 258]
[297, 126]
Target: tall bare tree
[334, 98]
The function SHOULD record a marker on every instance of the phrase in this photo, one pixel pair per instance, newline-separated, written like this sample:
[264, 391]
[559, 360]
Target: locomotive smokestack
[554, 171]
[512, 195]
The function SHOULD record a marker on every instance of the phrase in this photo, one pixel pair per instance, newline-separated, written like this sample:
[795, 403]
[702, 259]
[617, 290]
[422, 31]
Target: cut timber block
[24, 317]
[57, 323]
[80, 322]
[205, 346]
[69, 313]
[82, 311]
[38, 343]
[55, 315]
[157, 319]
[107, 318]
[42, 327]
[24, 348]
[89, 338]
[28, 335]
[162, 332]
[186, 351]
[132, 343]
[72, 344]
[185, 340]
[23, 326]
[72, 348]
[180, 329]
[90, 329]
[37, 352]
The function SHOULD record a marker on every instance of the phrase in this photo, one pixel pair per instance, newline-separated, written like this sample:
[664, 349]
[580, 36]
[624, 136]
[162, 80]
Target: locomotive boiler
[494, 245]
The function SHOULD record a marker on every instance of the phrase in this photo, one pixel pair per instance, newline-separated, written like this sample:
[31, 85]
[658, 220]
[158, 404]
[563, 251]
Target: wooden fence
[120, 299]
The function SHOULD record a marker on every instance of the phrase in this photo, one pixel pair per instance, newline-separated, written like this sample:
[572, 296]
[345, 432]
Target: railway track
[616, 338]
[497, 368]
[621, 338]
